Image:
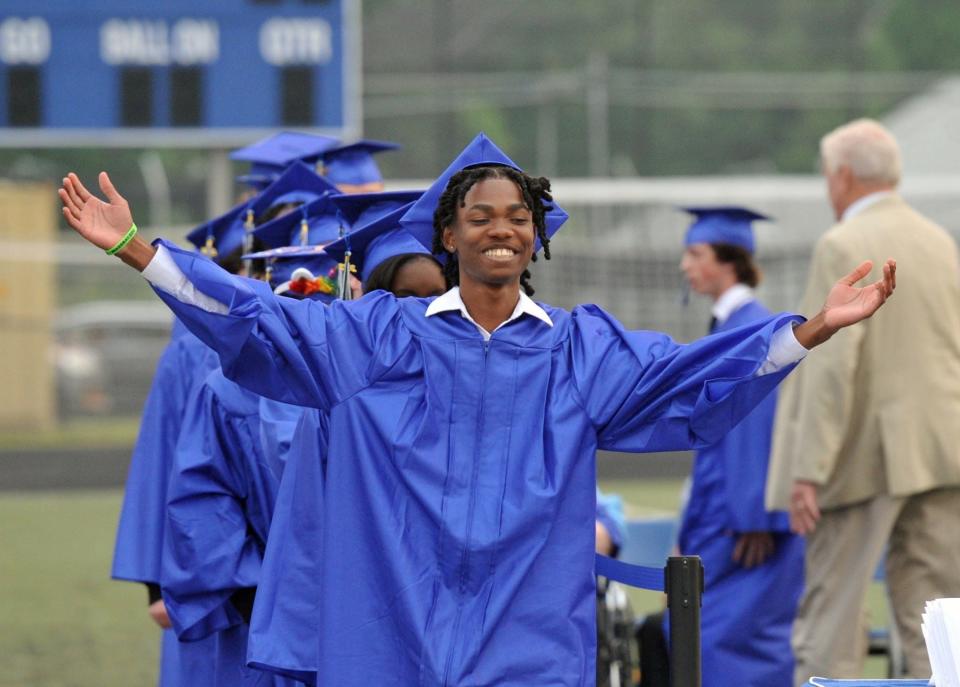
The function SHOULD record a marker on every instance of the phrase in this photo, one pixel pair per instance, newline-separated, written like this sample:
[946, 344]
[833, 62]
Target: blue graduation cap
[480, 152]
[297, 184]
[722, 224]
[373, 243]
[270, 156]
[313, 264]
[314, 223]
[283, 263]
[353, 164]
[222, 235]
[360, 209]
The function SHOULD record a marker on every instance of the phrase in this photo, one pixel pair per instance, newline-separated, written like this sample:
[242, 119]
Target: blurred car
[105, 355]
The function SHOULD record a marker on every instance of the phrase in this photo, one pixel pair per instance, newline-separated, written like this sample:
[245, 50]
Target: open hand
[847, 304]
[804, 510]
[102, 224]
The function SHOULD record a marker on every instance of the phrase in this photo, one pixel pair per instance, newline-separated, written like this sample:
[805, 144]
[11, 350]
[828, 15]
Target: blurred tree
[918, 36]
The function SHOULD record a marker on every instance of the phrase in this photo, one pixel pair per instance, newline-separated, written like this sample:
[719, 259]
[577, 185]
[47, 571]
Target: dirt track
[104, 468]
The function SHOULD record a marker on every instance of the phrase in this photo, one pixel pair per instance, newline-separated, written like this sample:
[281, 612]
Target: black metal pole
[683, 582]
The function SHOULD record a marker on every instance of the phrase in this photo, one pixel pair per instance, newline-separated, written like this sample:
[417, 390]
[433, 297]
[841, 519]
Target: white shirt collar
[861, 204]
[730, 300]
[451, 300]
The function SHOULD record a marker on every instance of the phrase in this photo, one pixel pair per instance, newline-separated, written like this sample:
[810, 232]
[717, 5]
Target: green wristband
[122, 243]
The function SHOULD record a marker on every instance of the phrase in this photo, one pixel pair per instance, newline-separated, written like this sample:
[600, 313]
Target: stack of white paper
[941, 631]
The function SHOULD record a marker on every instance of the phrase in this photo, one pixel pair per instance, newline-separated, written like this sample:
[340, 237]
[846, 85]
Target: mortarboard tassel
[344, 292]
[304, 232]
[208, 248]
[345, 269]
[248, 227]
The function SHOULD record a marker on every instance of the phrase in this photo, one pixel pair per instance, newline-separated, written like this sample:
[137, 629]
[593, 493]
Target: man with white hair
[866, 450]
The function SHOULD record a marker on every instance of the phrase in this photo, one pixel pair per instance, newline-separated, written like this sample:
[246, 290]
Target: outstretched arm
[103, 223]
[847, 304]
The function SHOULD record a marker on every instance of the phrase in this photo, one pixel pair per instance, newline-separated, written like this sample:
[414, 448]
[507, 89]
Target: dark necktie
[713, 325]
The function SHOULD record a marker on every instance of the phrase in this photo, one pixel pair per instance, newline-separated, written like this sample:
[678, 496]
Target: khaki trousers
[922, 533]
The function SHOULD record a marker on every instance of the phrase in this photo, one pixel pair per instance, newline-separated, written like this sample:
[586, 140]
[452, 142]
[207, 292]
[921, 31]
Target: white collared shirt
[451, 300]
[861, 204]
[730, 301]
[164, 273]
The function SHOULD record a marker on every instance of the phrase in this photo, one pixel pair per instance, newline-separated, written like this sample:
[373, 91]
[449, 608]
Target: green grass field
[64, 623]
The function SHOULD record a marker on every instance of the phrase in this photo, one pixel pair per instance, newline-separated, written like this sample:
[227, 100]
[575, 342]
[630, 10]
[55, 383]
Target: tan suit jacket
[876, 410]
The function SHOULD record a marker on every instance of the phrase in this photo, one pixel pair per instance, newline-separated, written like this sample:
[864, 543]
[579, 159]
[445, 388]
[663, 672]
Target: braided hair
[536, 196]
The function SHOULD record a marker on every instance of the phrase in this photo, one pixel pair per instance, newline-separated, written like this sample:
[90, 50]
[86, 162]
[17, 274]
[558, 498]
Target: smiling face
[493, 235]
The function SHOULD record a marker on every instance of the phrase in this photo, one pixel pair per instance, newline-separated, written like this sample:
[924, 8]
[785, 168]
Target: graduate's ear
[449, 244]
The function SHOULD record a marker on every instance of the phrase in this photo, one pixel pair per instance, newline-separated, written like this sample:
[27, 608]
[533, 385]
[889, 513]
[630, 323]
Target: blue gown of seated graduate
[747, 614]
[458, 537]
[221, 495]
[139, 544]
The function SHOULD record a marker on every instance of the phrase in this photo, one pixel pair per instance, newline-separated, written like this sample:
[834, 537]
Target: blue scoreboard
[176, 72]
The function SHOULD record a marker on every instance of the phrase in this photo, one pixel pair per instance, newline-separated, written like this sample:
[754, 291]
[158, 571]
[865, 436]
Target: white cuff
[784, 350]
[163, 273]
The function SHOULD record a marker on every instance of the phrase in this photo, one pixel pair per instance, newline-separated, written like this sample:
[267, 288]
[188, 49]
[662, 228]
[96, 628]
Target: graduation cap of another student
[297, 184]
[269, 156]
[360, 209]
[314, 223]
[479, 153]
[300, 271]
[727, 224]
[353, 164]
[220, 236]
[373, 243]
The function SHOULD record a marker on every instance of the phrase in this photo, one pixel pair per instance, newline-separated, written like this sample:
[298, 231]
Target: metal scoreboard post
[204, 73]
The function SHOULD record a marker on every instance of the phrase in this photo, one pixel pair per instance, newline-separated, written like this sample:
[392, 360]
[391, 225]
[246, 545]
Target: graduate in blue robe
[228, 463]
[226, 473]
[462, 551]
[461, 449]
[138, 551]
[139, 542]
[753, 565]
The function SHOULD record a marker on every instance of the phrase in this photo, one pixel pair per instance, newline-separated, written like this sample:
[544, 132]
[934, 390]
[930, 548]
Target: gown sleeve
[284, 627]
[301, 352]
[210, 551]
[644, 392]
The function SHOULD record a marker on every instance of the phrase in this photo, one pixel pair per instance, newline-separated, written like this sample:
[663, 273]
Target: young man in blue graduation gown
[463, 429]
[753, 564]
